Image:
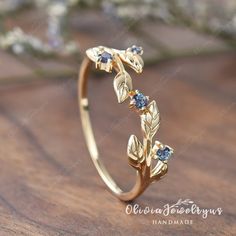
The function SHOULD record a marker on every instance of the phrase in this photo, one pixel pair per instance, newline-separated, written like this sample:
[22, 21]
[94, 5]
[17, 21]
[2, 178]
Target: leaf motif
[150, 121]
[160, 172]
[134, 61]
[122, 85]
[183, 202]
[135, 151]
[178, 203]
[187, 202]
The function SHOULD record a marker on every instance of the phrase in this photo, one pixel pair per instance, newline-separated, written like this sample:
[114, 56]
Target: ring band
[150, 160]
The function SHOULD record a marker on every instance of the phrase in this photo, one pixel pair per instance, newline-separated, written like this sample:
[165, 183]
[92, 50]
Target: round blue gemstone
[140, 100]
[164, 154]
[135, 49]
[105, 57]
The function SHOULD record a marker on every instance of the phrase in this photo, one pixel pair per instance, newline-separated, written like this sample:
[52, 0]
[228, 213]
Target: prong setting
[104, 60]
[138, 100]
[162, 152]
[135, 50]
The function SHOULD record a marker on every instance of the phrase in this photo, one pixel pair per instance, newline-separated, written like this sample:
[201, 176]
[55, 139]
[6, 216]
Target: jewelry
[149, 160]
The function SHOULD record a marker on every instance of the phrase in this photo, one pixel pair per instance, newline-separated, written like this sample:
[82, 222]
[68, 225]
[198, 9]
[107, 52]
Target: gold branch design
[141, 154]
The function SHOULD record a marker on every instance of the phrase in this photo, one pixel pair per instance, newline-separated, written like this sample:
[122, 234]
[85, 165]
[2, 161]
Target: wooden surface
[49, 186]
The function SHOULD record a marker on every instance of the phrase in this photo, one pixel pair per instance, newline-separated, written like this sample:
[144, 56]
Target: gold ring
[150, 160]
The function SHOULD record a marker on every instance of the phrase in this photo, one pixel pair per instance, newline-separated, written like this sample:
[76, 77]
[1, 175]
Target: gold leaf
[122, 85]
[150, 120]
[135, 61]
[135, 151]
[159, 172]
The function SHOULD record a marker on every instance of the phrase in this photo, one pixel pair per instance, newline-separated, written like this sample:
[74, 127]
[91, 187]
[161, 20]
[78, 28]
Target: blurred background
[48, 37]
[190, 70]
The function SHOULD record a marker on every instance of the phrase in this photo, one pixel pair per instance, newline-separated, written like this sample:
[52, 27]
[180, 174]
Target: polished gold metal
[149, 160]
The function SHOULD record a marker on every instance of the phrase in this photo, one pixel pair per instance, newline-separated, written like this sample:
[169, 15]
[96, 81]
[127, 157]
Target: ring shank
[140, 184]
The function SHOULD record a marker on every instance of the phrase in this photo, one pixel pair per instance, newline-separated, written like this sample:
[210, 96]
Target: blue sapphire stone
[135, 49]
[140, 100]
[105, 57]
[164, 154]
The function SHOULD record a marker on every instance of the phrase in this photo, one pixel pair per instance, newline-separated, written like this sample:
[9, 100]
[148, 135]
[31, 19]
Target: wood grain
[48, 184]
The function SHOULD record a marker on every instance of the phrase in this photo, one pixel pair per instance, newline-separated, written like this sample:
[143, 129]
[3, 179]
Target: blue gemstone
[105, 57]
[164, 154]
[135, 49]
[140, 100]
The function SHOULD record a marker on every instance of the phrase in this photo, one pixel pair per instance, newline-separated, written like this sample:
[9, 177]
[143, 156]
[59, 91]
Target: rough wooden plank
[48, 185]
